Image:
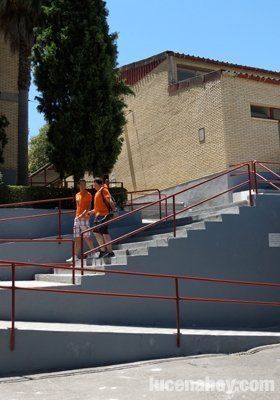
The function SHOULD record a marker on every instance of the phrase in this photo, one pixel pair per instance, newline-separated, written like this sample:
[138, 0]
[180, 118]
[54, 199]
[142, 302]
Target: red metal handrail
[149, 192]
[177, 298]
[174, 214]
[257, 175]
[59, 212]
[59, 241]
[26, 203]
[46, 166]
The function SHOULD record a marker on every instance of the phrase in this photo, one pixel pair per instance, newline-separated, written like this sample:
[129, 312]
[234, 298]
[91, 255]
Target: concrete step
[131, 249]
[35, 283]
[159, 240]
[63, 278]
[73, 346]
[126, 250]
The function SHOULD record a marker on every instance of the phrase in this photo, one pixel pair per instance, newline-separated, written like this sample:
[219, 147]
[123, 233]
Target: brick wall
[161, 147]
[249, 138]
[9, 102]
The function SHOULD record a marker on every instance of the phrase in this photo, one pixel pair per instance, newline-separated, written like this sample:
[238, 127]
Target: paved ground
[136, 381]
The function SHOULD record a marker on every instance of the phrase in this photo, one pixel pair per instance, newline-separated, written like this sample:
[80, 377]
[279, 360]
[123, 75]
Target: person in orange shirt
[81, 222]
[103, 206]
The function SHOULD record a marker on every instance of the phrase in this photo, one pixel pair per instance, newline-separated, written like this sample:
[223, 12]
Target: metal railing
[132, 202]
[175, 298]
[174, 214]
[39, 241]
[62, 182]
[59, 213]
[258, 177]
[252, 183]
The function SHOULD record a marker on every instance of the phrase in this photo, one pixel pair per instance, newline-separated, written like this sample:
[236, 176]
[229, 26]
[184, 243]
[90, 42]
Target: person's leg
[100, 241]
[90, 244]
[107, 238]
[77, 239]
[86, 236]
[77, 245]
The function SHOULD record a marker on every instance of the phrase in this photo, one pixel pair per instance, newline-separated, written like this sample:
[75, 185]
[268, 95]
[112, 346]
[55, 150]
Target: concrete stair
[79, 330]
[125, 251]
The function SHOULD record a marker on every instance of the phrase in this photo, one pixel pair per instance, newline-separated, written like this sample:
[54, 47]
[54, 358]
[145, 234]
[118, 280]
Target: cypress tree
[75, 67]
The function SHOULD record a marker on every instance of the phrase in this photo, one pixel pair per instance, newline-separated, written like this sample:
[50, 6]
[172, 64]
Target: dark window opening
[265, 112]
[184, 73]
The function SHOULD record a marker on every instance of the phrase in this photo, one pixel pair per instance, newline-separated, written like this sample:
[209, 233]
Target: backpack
[113, 212]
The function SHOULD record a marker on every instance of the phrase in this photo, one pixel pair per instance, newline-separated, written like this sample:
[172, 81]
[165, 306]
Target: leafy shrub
[18, 194]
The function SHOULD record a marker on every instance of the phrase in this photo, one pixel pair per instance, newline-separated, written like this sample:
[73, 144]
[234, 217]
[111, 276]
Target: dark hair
[82, 180]
[99, 181]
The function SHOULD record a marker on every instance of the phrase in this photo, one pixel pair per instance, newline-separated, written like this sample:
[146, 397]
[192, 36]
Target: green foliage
[75, 61]
[1, 179]
[3, 136]
[17, 20]
[18, 194]
[37, 150]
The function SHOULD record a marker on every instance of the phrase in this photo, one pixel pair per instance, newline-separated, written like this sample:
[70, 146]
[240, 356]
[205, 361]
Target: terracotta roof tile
[134, 72]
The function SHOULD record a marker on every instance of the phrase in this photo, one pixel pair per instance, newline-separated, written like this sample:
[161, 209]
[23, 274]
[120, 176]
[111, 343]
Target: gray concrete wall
[50, 348]
[48, 226]
[33, 227]
[198, 194]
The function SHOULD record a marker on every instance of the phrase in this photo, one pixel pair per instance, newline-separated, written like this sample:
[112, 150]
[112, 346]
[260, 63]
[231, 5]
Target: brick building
[9, 108]
[192, 116]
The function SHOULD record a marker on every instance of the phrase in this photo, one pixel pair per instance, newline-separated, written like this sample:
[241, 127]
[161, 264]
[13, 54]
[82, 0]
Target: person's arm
[112, 204]
[109, 200]
[85, 212]
[91, 212]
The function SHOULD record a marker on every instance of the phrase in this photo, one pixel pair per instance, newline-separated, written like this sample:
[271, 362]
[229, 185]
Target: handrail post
[59, 220]
[251, 200]
[178, 313]
[45, 177]
[82, 253]
[131, 205]
[255, 176]
[159, 198]
[166, 206]
[174, 216]
[73, 263]
[13, 309]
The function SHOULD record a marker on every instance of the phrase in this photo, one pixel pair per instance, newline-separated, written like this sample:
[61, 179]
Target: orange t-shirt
[83, 201]
[100, 208]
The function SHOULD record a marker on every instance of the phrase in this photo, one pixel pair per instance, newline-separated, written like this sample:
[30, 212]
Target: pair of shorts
[103, 230]
[80, 225]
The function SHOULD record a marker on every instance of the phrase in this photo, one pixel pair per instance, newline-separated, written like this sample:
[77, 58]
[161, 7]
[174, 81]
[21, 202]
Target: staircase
[212, 288]
[74, 331]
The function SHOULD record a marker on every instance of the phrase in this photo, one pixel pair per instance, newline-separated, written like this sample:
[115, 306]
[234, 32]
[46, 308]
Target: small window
[260, 112]
[183, 74]
[201, 135]
[265, 112]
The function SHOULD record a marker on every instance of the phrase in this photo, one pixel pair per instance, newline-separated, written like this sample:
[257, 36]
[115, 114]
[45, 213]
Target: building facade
[9, 108]
[190, 117]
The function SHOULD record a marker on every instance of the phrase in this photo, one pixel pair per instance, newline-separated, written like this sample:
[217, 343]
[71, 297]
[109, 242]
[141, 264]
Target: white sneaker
[71, 259]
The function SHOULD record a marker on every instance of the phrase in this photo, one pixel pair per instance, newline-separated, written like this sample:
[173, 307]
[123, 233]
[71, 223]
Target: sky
[241, 31]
